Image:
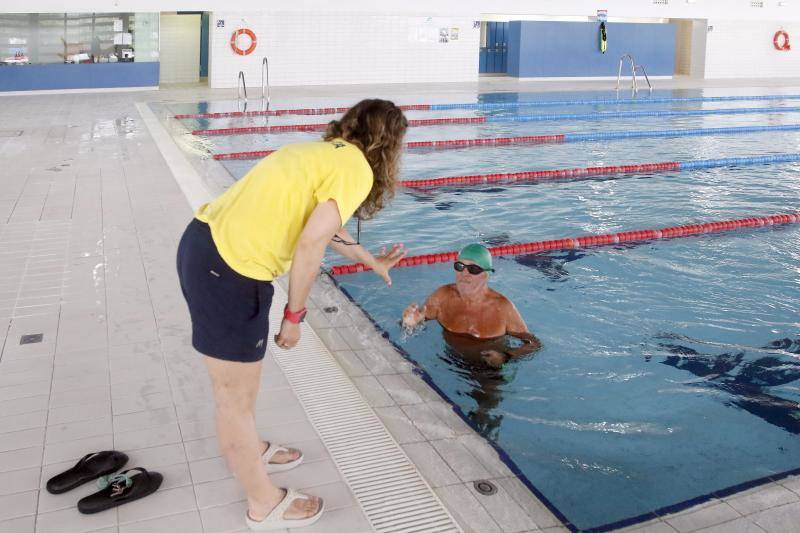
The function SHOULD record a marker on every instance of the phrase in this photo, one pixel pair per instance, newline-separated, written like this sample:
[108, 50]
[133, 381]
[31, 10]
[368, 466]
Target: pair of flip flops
[275, 520]
[115, 489]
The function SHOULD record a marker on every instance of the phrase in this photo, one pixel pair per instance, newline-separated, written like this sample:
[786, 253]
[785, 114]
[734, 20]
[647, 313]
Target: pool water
[670, 370]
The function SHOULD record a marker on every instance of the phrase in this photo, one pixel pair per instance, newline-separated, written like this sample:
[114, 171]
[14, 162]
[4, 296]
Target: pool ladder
[634, 68]
[241, 86]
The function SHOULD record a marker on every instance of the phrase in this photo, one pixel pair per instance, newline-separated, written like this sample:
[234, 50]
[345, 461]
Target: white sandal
[275, 519]
[273, 468]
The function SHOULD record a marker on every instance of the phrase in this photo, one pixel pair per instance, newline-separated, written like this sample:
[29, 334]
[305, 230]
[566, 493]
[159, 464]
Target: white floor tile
[71, 521]
[188, 522]
[17, 505]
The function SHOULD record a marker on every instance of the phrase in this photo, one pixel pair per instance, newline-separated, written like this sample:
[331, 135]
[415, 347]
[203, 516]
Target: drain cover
[31, 339]
[331, 309]
[486, 488]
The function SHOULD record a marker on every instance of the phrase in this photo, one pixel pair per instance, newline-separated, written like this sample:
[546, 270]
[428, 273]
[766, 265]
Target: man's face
[466, 282]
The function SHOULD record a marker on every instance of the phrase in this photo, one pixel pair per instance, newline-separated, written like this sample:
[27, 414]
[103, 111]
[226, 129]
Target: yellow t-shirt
[256, 223]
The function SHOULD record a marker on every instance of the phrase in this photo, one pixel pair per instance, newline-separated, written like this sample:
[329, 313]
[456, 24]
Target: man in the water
[470, 311]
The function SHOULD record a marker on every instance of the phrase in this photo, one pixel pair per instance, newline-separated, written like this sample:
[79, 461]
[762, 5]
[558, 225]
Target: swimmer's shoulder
[444, 290]
[499, 298]
[442, 294]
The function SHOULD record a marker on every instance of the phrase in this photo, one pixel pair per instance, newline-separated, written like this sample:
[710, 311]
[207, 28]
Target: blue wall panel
[571, 49]
[88, 76]
[204, 25]
[514, 48]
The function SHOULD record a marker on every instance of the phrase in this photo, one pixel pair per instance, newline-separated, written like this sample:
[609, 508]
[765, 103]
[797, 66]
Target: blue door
[494, 48]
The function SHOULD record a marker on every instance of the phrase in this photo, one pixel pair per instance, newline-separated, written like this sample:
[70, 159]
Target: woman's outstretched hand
[386, 260]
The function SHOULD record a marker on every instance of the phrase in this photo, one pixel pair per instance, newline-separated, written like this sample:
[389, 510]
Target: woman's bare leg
[235, 390]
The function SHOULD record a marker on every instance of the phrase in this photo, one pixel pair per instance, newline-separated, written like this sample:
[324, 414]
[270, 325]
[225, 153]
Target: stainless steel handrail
[644, 71]
[633, 71]
[265, 80]
[241, 86]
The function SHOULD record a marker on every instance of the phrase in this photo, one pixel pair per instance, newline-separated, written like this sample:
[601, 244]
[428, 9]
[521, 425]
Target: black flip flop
[92, 466]
[119, 489]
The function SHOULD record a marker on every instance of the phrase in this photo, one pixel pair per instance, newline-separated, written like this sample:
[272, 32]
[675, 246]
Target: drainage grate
[10, 133]
[390, 490]
[32, 338]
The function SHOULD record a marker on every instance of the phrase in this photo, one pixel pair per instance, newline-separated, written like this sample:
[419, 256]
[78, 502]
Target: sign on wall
[433, 30]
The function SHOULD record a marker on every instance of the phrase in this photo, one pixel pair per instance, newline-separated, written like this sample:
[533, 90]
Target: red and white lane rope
[559, 138]
[447, 143]
[496, 105]
[592, 240]
[322, 127]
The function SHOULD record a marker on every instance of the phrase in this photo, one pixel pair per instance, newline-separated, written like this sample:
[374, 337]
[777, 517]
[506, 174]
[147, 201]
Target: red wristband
[295, 317]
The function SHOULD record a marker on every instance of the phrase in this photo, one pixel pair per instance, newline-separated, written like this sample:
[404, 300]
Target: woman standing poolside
[280, 217]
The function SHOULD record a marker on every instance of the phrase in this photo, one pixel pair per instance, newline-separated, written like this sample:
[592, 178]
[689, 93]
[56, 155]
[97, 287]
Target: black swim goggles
[472, 269]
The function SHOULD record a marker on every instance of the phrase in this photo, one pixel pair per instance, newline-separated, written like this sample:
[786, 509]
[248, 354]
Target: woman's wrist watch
[295, 317]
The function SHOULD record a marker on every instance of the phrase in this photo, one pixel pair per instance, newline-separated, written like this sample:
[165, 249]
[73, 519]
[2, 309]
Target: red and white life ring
[781, 41]
[235, 41]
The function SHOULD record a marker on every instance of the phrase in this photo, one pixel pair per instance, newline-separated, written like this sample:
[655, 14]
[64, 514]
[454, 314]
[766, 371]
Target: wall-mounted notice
[423, 30]
[220, 23]
[432, 30]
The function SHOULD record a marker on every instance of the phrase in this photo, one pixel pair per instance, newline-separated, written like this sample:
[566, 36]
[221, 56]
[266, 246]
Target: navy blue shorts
[229, 311]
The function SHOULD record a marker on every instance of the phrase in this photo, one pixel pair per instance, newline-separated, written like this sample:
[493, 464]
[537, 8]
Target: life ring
[235, 39]
[776, 41]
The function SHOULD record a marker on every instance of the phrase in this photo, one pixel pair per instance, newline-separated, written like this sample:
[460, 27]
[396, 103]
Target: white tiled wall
[180, 48]
[744, 50]
[315, 48]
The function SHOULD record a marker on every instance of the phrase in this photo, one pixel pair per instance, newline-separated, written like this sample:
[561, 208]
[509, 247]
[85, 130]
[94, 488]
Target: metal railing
[241, 87]
[265, 92]
[634, 68]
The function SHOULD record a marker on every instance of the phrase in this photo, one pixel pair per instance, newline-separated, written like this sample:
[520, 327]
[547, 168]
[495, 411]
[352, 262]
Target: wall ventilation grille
[759, 3]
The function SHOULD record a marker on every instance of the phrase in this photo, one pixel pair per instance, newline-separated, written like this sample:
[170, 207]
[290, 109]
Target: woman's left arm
[380, 264]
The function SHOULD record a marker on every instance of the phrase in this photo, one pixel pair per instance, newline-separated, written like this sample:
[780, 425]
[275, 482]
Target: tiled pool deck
[90, 215]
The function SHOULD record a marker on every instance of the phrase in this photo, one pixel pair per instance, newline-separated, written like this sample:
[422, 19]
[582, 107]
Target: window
[42, 38]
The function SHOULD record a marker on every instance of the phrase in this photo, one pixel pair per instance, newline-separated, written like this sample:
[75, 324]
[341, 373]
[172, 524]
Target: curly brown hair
[377, 127]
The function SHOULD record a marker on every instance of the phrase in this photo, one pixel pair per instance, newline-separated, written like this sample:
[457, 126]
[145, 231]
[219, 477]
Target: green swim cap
[478, 254]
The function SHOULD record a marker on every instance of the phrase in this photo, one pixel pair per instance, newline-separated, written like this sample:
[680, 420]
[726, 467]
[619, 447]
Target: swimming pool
[669, 370]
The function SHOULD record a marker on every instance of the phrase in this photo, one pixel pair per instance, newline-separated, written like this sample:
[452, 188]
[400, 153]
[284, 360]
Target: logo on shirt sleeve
[338, 144]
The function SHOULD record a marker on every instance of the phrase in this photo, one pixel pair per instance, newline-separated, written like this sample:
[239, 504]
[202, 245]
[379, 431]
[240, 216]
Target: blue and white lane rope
[739, 161]
[612, 101]
[609, 135]
[635, 114]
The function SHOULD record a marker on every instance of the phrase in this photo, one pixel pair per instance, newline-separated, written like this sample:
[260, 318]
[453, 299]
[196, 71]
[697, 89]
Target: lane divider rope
[554, 138]
[566, 173]
[493, 105]
[637, 236]
[514, 118]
